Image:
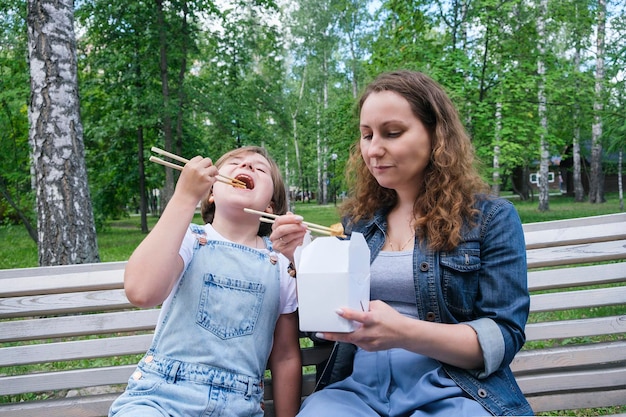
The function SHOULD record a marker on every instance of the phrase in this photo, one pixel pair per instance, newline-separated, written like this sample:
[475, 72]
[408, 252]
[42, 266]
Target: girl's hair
[451, 180]
[279, 198]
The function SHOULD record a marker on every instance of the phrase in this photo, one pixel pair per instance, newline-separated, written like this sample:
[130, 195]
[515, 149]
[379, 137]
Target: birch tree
[65, 224]
[544, 204]
[596, 184]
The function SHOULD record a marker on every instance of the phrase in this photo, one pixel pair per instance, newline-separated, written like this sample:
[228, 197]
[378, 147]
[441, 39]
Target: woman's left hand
[379, 328]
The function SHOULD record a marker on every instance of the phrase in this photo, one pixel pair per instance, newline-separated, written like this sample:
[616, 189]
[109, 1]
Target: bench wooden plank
[578, 299]
[575, 222]
[547, 359]
[81, 325]
[576, 254]
[57, 284]
[60, 380]
[548, 279]
[550, 235]
[75, 350]
[575, 400]
[50, 304]
[576, 328]
[60, 279]
[587, 380]
[87, 406]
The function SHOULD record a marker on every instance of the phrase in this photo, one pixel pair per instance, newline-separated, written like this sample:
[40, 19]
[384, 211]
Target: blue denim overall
[211, 347]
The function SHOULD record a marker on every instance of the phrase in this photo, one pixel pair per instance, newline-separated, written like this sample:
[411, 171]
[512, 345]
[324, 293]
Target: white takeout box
[332, 274]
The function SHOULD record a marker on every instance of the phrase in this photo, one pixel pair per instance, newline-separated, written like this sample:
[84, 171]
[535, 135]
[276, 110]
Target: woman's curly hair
[280, 204]
[451, 179]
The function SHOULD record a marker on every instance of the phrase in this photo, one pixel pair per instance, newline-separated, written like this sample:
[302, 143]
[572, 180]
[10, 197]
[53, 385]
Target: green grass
[119, 238]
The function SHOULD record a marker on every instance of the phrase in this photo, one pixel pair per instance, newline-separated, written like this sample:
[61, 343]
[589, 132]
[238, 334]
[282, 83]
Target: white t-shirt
[288, 299]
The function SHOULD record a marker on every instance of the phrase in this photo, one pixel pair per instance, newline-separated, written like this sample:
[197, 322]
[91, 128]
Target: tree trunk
[544, 203]
[182, 72]
[141, 163]
[32, 232]
[294, 122]
[579, 191]
[65, 224]
[620, 185]
[495, 187]
[168, 141]
[596, 185]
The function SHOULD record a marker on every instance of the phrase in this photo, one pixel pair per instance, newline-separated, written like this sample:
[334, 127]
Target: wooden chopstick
[180, 168]
[231, 181]
[268, 218]
[313, 229]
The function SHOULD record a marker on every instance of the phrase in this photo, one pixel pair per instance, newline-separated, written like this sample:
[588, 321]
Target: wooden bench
[54, 317]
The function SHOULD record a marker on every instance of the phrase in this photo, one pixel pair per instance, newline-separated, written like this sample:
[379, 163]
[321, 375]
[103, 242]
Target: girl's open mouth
[246, 180]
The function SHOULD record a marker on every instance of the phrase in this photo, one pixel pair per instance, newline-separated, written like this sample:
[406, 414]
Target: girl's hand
[197, 178]
[287, 234]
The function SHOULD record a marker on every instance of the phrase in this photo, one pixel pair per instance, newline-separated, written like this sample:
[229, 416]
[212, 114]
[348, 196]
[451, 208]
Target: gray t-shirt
[391, 281]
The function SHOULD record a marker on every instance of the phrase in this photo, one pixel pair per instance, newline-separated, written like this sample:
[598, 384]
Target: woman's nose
[375, 147]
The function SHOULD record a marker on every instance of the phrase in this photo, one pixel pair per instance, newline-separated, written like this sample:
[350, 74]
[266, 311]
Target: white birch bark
[596, 188]
[65, 224]
[579, 191]
[544, 204]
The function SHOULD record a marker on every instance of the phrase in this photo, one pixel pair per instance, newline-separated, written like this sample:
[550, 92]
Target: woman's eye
[394, 134]
[366, 136]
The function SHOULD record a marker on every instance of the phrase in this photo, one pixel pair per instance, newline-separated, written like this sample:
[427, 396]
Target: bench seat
[53, 316]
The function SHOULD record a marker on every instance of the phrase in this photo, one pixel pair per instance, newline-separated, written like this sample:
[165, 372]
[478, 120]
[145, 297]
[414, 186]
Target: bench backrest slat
[564, 329]
[572, 381]
[548, 279]
[578, 399]
[576, 254]
[552, 236]
[542, 361]
[51, 304]
[83, 406]
[614, 218]
[578, 299]
[75, 350]
[78, 378]
[81, 325]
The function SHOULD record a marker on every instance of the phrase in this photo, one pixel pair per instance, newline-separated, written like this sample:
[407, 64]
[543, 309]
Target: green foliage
[15, 184]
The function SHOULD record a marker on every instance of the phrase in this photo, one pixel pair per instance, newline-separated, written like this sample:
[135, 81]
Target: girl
[228, 302]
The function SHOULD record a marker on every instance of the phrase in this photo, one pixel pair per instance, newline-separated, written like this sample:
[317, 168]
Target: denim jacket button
[482, 393]
[430, 316]
[424, 266]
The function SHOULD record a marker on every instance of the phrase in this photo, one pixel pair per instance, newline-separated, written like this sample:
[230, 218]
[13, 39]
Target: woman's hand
[287, 234]
[378, 329]
[382, 328]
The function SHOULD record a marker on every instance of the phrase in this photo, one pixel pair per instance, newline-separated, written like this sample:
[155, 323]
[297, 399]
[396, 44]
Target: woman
[448, 268]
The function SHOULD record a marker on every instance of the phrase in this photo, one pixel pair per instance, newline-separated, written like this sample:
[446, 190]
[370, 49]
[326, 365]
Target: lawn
[119, 237]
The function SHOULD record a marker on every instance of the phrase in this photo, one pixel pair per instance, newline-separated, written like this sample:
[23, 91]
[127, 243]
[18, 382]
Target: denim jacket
[482, 283]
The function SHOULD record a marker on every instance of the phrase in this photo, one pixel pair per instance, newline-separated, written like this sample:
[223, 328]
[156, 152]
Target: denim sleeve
[492, 344]
[503, 304]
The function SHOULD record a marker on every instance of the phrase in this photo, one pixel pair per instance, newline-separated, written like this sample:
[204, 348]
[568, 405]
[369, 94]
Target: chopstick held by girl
[228, 302]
